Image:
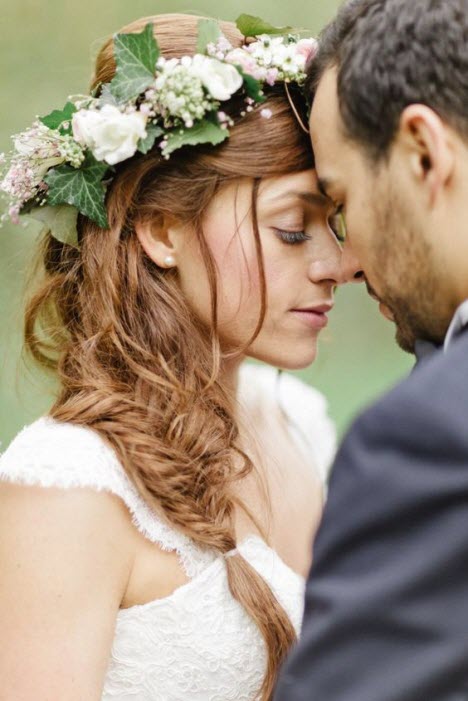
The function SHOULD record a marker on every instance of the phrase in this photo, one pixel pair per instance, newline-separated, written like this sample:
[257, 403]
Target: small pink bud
[14, 214]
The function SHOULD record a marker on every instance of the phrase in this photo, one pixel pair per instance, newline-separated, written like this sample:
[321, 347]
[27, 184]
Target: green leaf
[205, 131]
[209, 32]
[81, 187]
[56, 118]
[252, 86]
[60, 221]
[251, 26]
[135, 57]
[106, 97]
[152, 132]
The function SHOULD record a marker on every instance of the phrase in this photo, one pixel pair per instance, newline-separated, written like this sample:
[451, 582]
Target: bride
[156, 525]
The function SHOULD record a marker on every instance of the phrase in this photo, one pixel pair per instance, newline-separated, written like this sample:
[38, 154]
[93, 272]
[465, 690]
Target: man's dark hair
[393, 53]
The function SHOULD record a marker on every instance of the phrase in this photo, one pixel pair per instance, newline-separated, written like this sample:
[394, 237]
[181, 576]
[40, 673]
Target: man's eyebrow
[315, 198]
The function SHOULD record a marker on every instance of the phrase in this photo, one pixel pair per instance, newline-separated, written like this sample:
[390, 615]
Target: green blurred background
[46, 54]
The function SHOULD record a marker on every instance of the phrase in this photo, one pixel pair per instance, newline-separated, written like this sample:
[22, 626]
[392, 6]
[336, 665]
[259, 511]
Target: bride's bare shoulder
[65, 556]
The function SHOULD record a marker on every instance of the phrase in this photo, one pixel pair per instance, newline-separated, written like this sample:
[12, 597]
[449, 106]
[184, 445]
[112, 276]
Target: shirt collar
[459, 321]
[424, 349]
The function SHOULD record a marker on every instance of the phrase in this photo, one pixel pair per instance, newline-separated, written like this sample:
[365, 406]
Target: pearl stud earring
[169, 261]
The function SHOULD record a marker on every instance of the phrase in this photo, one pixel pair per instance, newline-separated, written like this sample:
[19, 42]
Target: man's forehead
[326, 134]
[324, 112]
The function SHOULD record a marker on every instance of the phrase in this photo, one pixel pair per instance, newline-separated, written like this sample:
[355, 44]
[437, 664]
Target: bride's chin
[293, 360]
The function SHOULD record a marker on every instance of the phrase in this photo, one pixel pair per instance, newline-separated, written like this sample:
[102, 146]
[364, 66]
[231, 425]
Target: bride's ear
[161, 241]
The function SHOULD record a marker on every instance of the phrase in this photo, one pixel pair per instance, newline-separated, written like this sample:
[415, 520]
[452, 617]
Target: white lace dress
[197, 644]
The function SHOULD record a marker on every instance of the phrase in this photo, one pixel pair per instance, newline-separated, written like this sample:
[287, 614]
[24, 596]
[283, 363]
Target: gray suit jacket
[386, 615]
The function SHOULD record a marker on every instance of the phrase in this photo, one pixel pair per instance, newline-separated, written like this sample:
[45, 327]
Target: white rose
[220, 79]
[111, 135]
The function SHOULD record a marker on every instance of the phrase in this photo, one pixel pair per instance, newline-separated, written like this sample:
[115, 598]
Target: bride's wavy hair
[133, 361]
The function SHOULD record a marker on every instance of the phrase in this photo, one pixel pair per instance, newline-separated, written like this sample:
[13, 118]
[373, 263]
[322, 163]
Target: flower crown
[61, 166]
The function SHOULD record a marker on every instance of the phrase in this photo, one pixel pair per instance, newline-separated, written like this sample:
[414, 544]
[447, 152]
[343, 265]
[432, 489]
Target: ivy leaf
[206, 131]
[55, 119]
[251, 26]
[81, 187]
[209, 32]
[106, 97]
[60, 221]
[135, 57]
[152, 132]
[252, 86]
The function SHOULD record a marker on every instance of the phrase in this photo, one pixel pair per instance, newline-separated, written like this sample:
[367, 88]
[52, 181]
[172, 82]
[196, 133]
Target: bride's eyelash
[292, 237]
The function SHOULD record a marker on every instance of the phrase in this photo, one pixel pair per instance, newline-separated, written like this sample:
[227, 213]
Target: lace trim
[49, 453]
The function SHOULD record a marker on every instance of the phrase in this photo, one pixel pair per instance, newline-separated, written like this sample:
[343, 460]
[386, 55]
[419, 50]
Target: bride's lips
[315, 317]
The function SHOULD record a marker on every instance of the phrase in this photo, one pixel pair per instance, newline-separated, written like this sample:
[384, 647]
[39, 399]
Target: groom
[386, 614]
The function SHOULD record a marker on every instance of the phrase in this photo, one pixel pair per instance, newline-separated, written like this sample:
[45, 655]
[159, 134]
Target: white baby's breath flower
[178, 94]
[22, 180]
[220, 79]
[111, 135]
[36, 151]
[39, 144]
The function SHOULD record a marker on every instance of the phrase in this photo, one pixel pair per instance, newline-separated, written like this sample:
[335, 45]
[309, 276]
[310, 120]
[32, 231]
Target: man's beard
[408, 278]
[405, 335]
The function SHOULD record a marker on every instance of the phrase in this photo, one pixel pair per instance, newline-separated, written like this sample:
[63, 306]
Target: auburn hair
[133, 361]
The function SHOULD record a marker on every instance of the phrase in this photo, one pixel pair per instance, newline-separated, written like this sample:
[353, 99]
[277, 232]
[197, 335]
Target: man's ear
[161, 241]
[430, 146]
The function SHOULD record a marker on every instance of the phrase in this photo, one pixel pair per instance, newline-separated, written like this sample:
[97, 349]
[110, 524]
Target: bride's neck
[229, 374]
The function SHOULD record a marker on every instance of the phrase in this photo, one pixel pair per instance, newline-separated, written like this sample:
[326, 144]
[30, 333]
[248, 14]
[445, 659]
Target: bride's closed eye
[292, 237]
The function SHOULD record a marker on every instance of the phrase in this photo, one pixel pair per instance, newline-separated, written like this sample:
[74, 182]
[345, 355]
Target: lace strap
[52, 454]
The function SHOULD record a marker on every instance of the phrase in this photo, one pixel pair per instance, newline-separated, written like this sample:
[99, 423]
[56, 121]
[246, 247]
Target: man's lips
[384, 310]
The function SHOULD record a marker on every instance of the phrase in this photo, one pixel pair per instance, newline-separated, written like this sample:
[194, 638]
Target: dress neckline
[208, 572]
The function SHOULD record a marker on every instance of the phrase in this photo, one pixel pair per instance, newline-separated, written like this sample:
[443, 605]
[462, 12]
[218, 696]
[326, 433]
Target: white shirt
[459, 321]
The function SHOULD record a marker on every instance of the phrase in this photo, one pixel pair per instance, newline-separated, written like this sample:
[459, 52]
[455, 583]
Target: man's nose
[351, 269]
